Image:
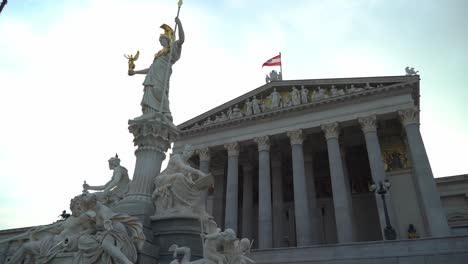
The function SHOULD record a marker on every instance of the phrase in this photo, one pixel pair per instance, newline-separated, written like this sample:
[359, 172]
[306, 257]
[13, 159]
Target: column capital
[232, 148]
[409, 116]
[296, 137]
[152, 135]
[263, 143]
[368, 124]
[204, 154]
[331, 130]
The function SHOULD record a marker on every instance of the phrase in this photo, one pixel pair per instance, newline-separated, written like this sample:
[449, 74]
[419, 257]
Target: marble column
[429, 196]
[301, 201]
[219, 195]
[232, 187]
[152, 139]
[374, 153]
[312, 196]
[341, 202]
[205, 157]
[279, 212]
[247, 200]
[265, 227]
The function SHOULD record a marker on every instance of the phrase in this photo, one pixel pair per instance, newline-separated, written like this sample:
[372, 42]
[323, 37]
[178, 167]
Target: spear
[166, 76]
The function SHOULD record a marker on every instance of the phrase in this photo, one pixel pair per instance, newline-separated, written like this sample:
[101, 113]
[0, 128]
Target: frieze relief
[278, 98]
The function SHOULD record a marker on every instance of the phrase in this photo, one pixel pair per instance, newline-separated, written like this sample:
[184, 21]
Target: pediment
[278, 97]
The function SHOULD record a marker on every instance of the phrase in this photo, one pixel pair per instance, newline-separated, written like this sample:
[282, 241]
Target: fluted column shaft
[434, 213]
[232, 187]
[279, 213]
[218, 196]
[301, 201]
[341, 202]
[265, 227]
[205, 157]
[247, 201]
[369, 128]
[314, 210]
[147, 167]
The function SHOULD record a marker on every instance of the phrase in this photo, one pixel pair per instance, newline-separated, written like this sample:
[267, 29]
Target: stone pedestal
[152, 139]
[182, 230]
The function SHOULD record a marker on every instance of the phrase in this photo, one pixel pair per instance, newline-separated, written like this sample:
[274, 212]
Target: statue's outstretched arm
[133, 72]
[181, 32]
[144, 71]
[113, 182]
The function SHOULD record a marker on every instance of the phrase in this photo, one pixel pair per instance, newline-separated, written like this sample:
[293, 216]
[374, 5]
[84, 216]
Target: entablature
[279, 98]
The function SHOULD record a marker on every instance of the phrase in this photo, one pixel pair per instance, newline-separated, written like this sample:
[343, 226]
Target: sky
[65, 96]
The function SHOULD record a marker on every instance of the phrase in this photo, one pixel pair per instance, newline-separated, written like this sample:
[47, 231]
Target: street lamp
[389, 231]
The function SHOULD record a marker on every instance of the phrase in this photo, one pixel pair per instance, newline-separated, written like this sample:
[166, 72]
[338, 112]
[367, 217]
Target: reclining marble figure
[179, 187]
[45, 242]
[94, 232]
[117, 239]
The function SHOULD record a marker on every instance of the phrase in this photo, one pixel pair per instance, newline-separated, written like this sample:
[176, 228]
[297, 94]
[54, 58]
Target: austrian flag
[275, 61]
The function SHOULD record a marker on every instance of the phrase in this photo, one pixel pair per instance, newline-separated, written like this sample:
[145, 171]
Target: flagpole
[281, 66]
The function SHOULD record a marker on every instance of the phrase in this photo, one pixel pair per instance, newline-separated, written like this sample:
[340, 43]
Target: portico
[299, 175]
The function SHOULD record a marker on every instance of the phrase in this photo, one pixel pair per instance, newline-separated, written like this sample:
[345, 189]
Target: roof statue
[273, 76]
[410, 71]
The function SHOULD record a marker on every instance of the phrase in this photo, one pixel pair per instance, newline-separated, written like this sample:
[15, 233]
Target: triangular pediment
[291, 95]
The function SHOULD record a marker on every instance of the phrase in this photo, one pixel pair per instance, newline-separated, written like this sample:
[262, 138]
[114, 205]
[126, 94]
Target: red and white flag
[275, 61]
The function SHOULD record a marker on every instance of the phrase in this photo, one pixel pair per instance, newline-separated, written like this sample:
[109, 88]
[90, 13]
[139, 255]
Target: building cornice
[336, 100]
[385, 80]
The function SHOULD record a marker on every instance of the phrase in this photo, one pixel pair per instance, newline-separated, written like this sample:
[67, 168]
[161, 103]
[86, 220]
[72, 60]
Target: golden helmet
[168, 32]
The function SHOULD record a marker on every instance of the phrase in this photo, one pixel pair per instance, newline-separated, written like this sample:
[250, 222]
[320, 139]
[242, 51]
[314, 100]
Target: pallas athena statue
[155, 102]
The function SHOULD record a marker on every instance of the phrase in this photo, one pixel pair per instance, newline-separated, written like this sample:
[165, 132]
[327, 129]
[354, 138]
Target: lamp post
[389, 231]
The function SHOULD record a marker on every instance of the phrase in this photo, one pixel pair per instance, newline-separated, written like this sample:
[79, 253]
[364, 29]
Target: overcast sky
[65, 97]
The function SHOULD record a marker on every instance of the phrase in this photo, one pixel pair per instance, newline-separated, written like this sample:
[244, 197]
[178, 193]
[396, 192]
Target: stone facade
[345, 135]
[292, 162]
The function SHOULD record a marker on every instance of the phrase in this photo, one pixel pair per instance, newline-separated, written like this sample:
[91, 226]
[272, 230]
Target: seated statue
[178, 189]
[117, 238]
[47, 241]
[115, 189]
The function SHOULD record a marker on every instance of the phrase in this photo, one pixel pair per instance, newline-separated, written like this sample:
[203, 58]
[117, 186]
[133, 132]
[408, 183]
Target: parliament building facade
[327, 171]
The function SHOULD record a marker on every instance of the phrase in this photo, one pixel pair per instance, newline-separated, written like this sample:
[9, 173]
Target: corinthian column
[247, 200]
[435, 217]
[204, 155]
[152, 139]
[369, 128]
[341, 200]
[205, 158]
[232, 187]
[301, 201]
[279, 213]
[264, 194]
